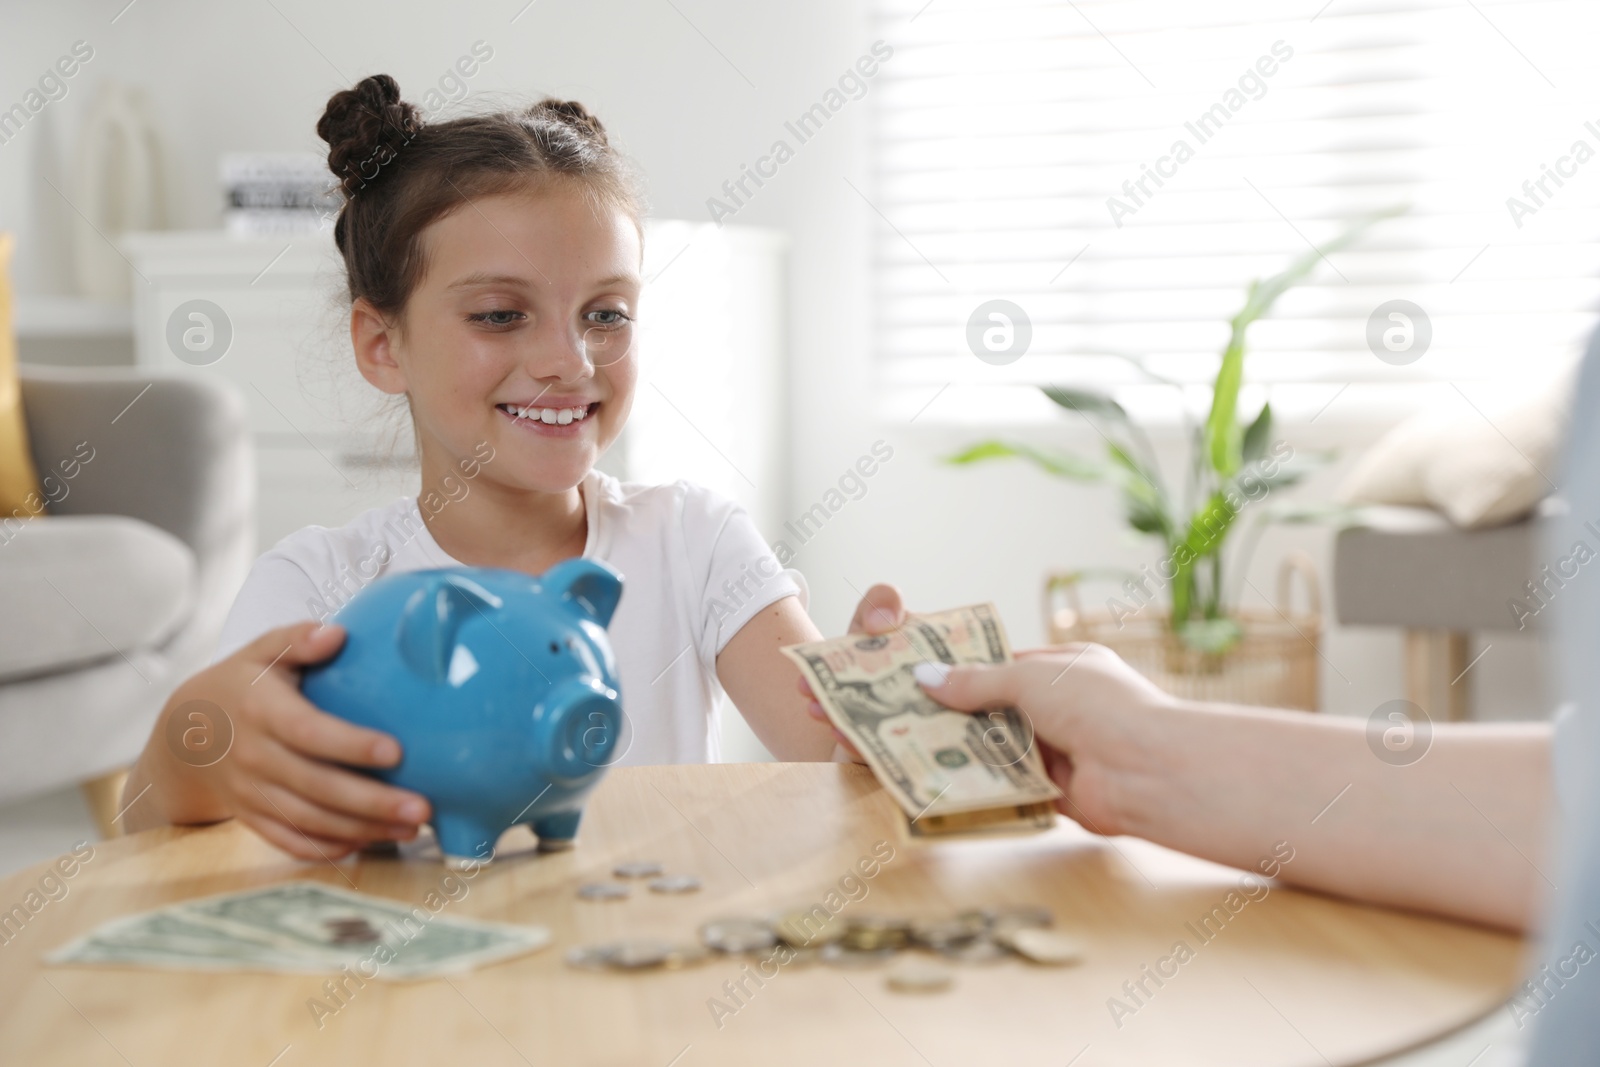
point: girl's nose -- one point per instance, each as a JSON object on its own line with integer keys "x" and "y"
{"x": 561, "y": 353}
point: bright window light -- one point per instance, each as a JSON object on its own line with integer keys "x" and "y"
{"x": 1121, "y": 169}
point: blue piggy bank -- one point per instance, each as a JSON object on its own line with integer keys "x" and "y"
{"x": 499, "y": 686}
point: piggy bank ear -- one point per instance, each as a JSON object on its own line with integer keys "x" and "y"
{"x": 433, "y": 615}
{"x": 590, "y": 585}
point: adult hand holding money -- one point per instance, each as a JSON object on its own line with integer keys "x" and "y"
{"x": 947, "y": 771}
{"x": 1097, "y": 723}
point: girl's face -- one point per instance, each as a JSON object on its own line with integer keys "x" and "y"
{"x": 520, "y": 335}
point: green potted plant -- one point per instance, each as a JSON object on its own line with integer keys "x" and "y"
{"x": 1232, "y": 465}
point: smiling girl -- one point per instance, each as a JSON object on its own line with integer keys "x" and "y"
{"x": 493, "y": 266}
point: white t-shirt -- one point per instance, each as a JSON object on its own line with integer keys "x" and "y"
{"x": 694, "y": 568}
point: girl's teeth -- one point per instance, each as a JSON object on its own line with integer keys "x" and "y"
{"x": 550, "y": 416}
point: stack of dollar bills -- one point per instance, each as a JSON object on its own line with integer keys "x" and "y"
{"x": 304, "y": 927}
{"x": 952, "y": 773}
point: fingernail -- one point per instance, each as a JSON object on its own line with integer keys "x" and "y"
{"x": 880, "y": 619}
{"x": 385, "y": 750}
{"x": 412, "y": 811}
{"x": 931, "y": 675}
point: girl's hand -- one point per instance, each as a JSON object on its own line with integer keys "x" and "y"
{"x": 279, "y": 775}
{"x": 880, "y": 611}
{"x": 1091, "y": 715}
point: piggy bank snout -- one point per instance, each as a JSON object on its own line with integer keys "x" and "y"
{"x": 576, "y": 729}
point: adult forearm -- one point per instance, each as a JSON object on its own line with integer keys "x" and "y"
{"x": 1459, "y": 831}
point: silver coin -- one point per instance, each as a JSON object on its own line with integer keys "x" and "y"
{"x": 603, "y": 891}
{"x": 837, "y": 955}
{"x": 675, "y": 883}
{"x": 1046, "y": 946}
{"x": 639, "y": 954}
{"x": 641, "y": 869}
{"x": 978, "y": 950}
{"x": 919, "y": 976}
{"x": 804, "y": 929}
{"x": 591, "y": 957}
{"x": 942, "y": 933}
{"x": 738, "y": 935}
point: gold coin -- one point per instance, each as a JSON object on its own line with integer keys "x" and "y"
{"x": 869, "y": 933}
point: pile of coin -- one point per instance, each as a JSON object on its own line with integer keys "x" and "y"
{"x": 660, "y": 882}
{"x": 977, "y": 935}
{"x": 974, "y": 936}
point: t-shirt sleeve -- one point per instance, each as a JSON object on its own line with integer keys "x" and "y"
{"x": 276, "y": 592}
{"x": 736, "y": 572}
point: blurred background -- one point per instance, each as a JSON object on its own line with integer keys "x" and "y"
{"x": 937, "y": 158}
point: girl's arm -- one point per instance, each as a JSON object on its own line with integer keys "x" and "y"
{"x": 279, "y": 769}
{"x": 763, "y": 683}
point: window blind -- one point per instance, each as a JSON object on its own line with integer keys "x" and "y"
{"x": 1121, "y": 169}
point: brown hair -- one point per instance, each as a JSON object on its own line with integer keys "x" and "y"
{"x": 399, "y": 174}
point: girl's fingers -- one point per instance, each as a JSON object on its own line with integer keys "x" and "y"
{"x": 275, "y": 802}
{"x": 300, "y": 725}
{"x": 289, "y": 840}
{"x": 341, "y": 791}
{"x": 299, "y": 645}
{"x": 880, "y": 611}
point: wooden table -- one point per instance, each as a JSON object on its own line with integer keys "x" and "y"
{"x": 1292, "y": 978}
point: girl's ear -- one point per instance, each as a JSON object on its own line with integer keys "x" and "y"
{"x": 375, "y": 339}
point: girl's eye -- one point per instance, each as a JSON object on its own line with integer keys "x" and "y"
{"x": 495, "y": 318}
{"x": 608, "y": 317}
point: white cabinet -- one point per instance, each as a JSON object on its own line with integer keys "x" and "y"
{"x": 709, "y": 406}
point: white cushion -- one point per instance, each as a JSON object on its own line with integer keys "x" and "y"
{"x": 83, "y": 589}
{"x": 1481, "y": 465}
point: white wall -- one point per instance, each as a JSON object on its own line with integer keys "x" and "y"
{"x": 242, "y": 77}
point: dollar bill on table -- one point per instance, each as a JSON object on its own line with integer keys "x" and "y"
{"x": 952, "y": 773}
{"x": 303, "y": 927}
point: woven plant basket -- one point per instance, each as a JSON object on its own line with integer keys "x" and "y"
{"x": 1274, "y": 664}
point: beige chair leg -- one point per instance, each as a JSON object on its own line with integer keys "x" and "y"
{"x": 104, "y": 797}
{"x": 1434, "y": 662}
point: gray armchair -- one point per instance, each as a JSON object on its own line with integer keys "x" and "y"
{"x": 120, "y": 593}
{"x": 1411, "y": 568}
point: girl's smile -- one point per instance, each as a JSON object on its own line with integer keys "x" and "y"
{"x": 552, "y": 416}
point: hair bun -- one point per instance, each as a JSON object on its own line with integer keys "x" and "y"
{"x": 573, "y": 114}
{"x": 365, "y": 128}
